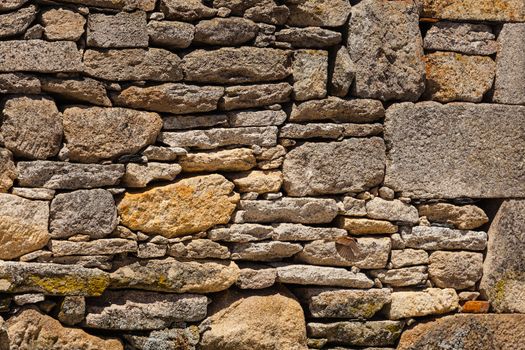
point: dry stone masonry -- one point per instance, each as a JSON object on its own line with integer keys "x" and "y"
{"x": 262, "y": 174}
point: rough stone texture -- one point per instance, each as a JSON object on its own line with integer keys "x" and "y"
{"x": 322, "y": 276}
{"x": 31, "y": 329}
{"x": 93, "y": 134}
{"x": 485, "y": 332}
{"x": 478, "y": 171}
{"x": 370, "y": 333}
{"x": 256, "y": 277}
{"x": 241, "y": 233}
{"x": 404, "y": 277}
{"x": 199, "y": 249}
{"x": 465, "y": 217}
{"x": 8, "y": 5}
{"x": 185, "y": 122}
{"x": 358, "y": 226}
{"x": 456, "y": 77}
{"x": 503, "y": 279}
{"x": 15, "y": 83}
{"x": 237, "y": 97}
{"x": 432, "y": 301}
{"x": 140, "y": 175}
{"x": 109, "y": 246}
{"x": 239, "y": 159}
{"x": 171, "y": 34}
{"x": 133, "y": 64}
{"x": 298, "y": 232}
{"x": 62, "y": 24}
{"x": 436, "y": 238}
{"x": 256, "y": 118}
{"x": 408, "y": 257}
{"x": 58, "y": 175}
{"x": 258, "y": 181}
{"x": 15, "y": 23}
{"x": 338, "y": 110}
{"x": 236, "y": 65}
{"x": 122, "y": 30}
{"x": 83, "y": 90}
{"x": 89, "y": 212}
{"x": 72, "y": 310}
{"x": 351, "y": 206}
{"x": 327, "y": 168}
{"x": 509, "y": 87}
{"x": 17, "y": 56}
{"x": 458, "y": 270}
{"x": 268, "y": 12}
{"x": 126, "y": 5}
{"x": 31, "y": 127}
{"x": 7, "y": 170}
{"x": 343, "y": 74}
{"x": 318, "y": 13}
{"x": 225, "y": 31}
{"x": 172, "y": 98}
{"x": 310, "y": 74}
{"x": 186, "y": 10}
{"x": 312, "y": 37}
{"x": 166, "y": 339}
{"x": 264, "y": 251}
{"x": 477, "y": 10}
{"x": 188, "y": 206}
{"x": 23, "y": 226}
{"x": 467, "y": 38}
{"x": 386, "y": 49}
{"x": 393, "y": 210}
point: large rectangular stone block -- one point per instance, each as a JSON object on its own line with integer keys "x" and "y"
{"x": 476, "y": 10}
{"x": 455, "y": 150}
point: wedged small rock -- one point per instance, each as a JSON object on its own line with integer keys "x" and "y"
{"x": 109, "y": 246}
{"x": 264, "y": 251}
{"x": 165, "y": 154}
{"x": 62, "y": 175}
{"x": 432, "y": 301}
{"x": 23, "y": 226}
{"x": 83, "y": 90}
{"x": 408, "y": 257}
{"x": 466, "y": 217}
{"x": 369, "y": 333}
{"x": 31, "y": 329}
{"x": 89, "y": 212}
{"x": 256, "y": 118}
{"x": 137, "y": 310}
{"x": 442, "y": 238}
{"x": 310, "y": 38}
{"x": 338, "y": 110}
{"x": 467, "y": 38}
{"x": 17, "y": 83}
{"x": 187, "y": 206}
{"x": 54, "y": 57}
{"x": 403, "y": 277}
{"x": 170, "y": 275}
{"x": 343, "y": 303}
{"x": 239, "y": 159}
{"x": 386, "y": 48}
{"x": 229, "y": 31}
{"x": 171, "y": 34}
{"x": 241, "y": 233}
{"x": 220, "y": 137}
{"x": 259, "y": 181}
{"x": 122, "y": 30}
{"x": 458, "y": 270}
{"x": 294, "y": 210}
{"x": 31, "y": 127}
{"x": 351, "y": 206}
{"x": 133, "y": 64}
{"x": 199, "y": 249}
{"x": 7, "y": 170}
{"x": 351, "y": 165}
{"x": 322, "y": 276}
{"x": 270, "y": 157}
{"x": 16, "y": 23}
{"x": 393, "y": 210}
{"x": 251, "y": 96}
{"x": 475, "y": 10}
{"x": 372, "y": 253}
{"x": 62, "y": 24}
{"x": 186, "y": 10}
{"x": 151, "y": 250}
{"x": 72, "y": 310}
{"x": 310, "y": 74}
{"x": 315, "y": 13}
{"x": 343, "y": 74}
{"x": 456, "y": 77}
{"x": 140, "y": 175}
{"x": 359, "y": 226}
{"x": 171, "y": 98}
{"x": 256, "y": 277}
{"x": 237, "y": 65}
{"x": 298, "y": 232}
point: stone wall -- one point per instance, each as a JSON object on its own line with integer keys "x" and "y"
{"x": 262, "y": 174}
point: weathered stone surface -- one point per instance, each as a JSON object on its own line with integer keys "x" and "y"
{"x": 503, "y": 279}
{"x": 338, "y": 110}
{"x": 370, "y": 333}
{"x": 61, "y": 175}
{"x": 298, "y": 232}
{"x": 137, "y": 310}
{"x": 358, "y": 226}
{"x": 441, "y": 238}
{"x": 51, "y": 279}
{"x": 170, "y": 275}
{"x": 264, "y": 322}
{"x": 310, "y": 74}
{"x": 351, "y": 206}
{"x": 34, "y": 193}
{"x": 466, "y": 217}
{"x": 16, "y": 83}
{"x": 93, "y": 134}
{"x": 117, "y": 31}
{"x": 172, "y": 98}
{"x": 89, "y": 212}
{"x": 239, "y": 97}
{"x": 477, "y": 10}
{"x": 404, "y": 277}
{"x": 317, "y": 168}
{"x": 151, "y": 250}
{"x": 393, "y": 210}
{"x": 312, "y": 130}
{"x": 408, "y": 257}
{"x": 15, "y": 23}
{"x": 467, "y": 38}
{"x": 165, "y": 154}
{"x": 456, "y": 77}
{"x": 318, "y": 13}
{"x": 8, "y": 5}
{"x": 343, "y": 74}
{"x": 458, "y": 270}
{"x": 256, "y": 277}
{"x": 126, "y": 5}
{"x": 214, "y": 138}
{"x": 259, "y": 181}
{"x": 311, "y": 37}
{"x": 485, "y": 332}
{"x": 186, "y": 10}
{"x": 199, "y": 249}
{"x": 264, "y": 251}
{"x": 509, "y": 87}
{"x": 294, "y": 210}
{"x": 271, "y": 157}
{"x": 241, "y": 233}
{"x": 103, "y": 262}
{"x": 372, "y": 253}
{"x": 84, "y": 90}
{"x": 23, "y": 226}
{"x": 268, "y": 12}
{"x": 239, "y": 159}
{"x": 166, "y": 339}
{"x": 7, "y": 170}
{"x": 386, "y": 48}
{"x": 31, "y": 127}
{"x": 110, "y": 246}
{"x": 185, "y": 122}
{"x": 432, "y": 301}
{"x": 322, "y": 276}
{"x": 32, "y": 330}
{"x": 188, "y": 206}
{"x": 18, "y": 55}
{"x": 140, "y": 175}
{"x": 133, "y": 64}
{"x": 256, "y": 118}
{"x": 171, "y": 34}
{"x": 343, "y": 303}
{"x": 230, "y": 31}
{"x": 72, "y": 310}
{"x": 62, "y": 24}
{"x": 237, "y": 65}
{"x": 415, "y": 165}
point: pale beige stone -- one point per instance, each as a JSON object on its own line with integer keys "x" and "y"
{"x": 465, "y": 217}
{"x": 358, "y": 226}
{"x": 432, "y": 301}
{"x": 7, "y": 170}
{"x": 259, "y": 181}
{"x": 239, "y": 159}
{"x": 458, "y": 270}
{"x": 476, "y": 10}
{"x": 310, "y": 74}
{"x": 62, "y": 24}
{"x": 140, "y": 175}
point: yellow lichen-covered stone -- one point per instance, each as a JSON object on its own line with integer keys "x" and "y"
{"x": 71, "y": 285}
{"x": 188, "y": 206}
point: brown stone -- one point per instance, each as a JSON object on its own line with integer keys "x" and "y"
{"x": 358, "y": 226}
{"x": 476, "y": 307}
{"x": 62, "y": 24}
{"x": 7, "y": 170}
{"x": 318, "y": 13}
{"x": 465, "y": 217}
{"x": 338, "y": 110}
{"x": 84, "y": 90}
{"x": 476, "y": 10}
{"x": 229, "y": 31}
